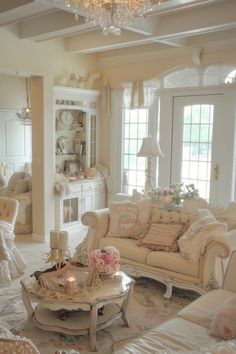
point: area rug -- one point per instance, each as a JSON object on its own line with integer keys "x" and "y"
{"x": 147, "y": 309}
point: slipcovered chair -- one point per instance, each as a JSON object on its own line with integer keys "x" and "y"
{"x": 12, "y": 263}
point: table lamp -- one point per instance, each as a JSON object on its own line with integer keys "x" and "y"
{"x": 150, "y": 148}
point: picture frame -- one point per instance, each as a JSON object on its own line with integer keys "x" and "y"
{"x": 71, "y": 167}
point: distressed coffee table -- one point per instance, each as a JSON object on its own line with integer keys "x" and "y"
{"x": 111, "y": 297}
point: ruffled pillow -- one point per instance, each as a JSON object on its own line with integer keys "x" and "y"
{"x": 128, "y": 219}
{"x": 195, "y": 238}
{"x": 223, "y": 324}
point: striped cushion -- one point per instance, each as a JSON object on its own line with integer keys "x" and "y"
{"x": 162, "y": 237}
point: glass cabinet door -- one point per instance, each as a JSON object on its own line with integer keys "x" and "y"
{"x": 70, "y": 210}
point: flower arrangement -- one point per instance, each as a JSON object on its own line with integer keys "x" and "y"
{"x": 105, "y": 261}
{"x": 175, "y": 193}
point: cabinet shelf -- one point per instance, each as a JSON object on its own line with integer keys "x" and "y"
{"x": 58, "y": 155}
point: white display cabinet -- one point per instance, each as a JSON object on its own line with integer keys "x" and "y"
{"x": 77, "y": 148}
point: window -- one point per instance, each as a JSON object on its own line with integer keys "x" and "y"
{"x": 137, "y": 123}
{"x": 188, "y": 77}
{"x": 135, "y": 128}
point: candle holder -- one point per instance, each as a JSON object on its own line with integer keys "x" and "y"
{"x": 59, "y": 248}
{"x": 57, "y": 257}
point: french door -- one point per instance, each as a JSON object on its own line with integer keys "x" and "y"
{"x": 15, "y": 143}
{"x": 202, "y": 146}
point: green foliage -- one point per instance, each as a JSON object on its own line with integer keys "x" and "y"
{"x": 180, "y": 192}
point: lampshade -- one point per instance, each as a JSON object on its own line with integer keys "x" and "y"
{"x": 150, "y": 147}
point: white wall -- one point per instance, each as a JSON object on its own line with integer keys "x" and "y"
{"x": 45, "y": 62}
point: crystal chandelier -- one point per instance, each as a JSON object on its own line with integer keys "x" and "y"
{"x": 25, "y": 116}
{"x": 111, "y": 15}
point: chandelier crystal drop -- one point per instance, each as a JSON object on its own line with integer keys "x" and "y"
{"x": 25, "y": 117}
{"x": 111, "y": 15}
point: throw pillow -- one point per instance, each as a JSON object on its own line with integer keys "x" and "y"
{"x": 193, "y": 241}
{"x": 21, "y": 186}
{"x": 161, "y": 237}
{"x": 223, "y": 324}
{"x": 13, "y": 179}
{"x": 128, "y": 219}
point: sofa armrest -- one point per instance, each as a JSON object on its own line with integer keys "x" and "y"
{"x": 98, "y": 223}
{"x": 216, "y": 248}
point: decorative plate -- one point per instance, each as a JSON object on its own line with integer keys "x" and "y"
{"x": 67, "y": 117}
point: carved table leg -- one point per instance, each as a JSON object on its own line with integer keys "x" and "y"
{"x": 125, "y": 305}
{"x": 168, "y": 292}
{"x": 92, "y": 329}
{"x": 27, "y": 303}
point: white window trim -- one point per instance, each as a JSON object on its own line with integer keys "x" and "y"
{"x": 116, "y": 138}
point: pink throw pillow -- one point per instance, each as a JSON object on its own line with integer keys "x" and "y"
{"x": 223, "y": 324}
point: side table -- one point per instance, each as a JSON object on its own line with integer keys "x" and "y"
{"x": 111, "y": 296}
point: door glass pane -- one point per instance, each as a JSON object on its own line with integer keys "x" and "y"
{"x": 70, "y": 210}
{"x": 74, "y": 209}
{"x": 197, "y": 147}
{"x": 66, "y": 211}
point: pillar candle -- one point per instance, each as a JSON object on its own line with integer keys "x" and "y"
{"x": 71, "y": 285}
{"x": 63, "y": 240}
{"x": 54, "y": 238}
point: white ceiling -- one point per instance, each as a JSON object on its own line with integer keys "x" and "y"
{"x": 173, "y": 23}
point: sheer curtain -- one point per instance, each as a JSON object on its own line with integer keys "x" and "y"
{"x": 134, "y": 95}
{"x": 139, "y": 94}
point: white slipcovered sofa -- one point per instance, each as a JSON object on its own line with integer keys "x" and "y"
{"x": 202, "y": 327}
{"x": 170, "y": 268}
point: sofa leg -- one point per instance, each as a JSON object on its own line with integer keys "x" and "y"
{"x": 168, "y": 292}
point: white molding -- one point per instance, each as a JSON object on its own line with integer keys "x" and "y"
{"x": 72, "y": 92}
{"x": 116, "y": 140}
{"x": 140, "y": 55}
